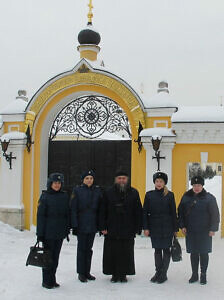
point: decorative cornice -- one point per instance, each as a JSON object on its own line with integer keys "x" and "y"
{"x": 90, "y": 78}
{"x": 199, "y": 133}
{"x": 161, "y": 111}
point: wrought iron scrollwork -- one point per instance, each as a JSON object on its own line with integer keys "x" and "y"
{"x": 90, "y": 117}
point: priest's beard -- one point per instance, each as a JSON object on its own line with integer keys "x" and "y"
{"x": 122, "y": 188}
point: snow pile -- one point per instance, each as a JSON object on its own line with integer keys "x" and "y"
{"x": 17, "y": 106}
{"x": 7, "y": 229}
{"x": 162, "y": 99}
{"x": 157, "y": 131}
{"x": 13, "y": 135}
{"x": 198, "y": 114}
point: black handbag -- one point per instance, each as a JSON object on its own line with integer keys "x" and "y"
{"x": 176, "y": 252}
{"x": 39, "y": 257}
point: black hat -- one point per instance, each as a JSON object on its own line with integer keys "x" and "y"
{"x": 88, "y": 173}
{"x": 53, "y": 177}
{"x": 197, "y": 180}
{"x": 121, "y": 173}
{"x": 160, "y": 175}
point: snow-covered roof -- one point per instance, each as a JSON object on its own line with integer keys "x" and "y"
{"x": 13, "y": 135}
{"x": 199, "y": 114}
{"x": 1, "y": 122}
{"x": 161, "y": 99}
{"x": 157, "y": 131}
{"x": 17, "y": 106}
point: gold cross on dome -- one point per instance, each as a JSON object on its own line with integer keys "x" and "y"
{"x": 90, "y": 14}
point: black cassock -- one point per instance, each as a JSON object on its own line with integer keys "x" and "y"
{"x": 121, "y": 216}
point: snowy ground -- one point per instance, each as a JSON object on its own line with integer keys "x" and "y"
{"x": 22, "y": 283}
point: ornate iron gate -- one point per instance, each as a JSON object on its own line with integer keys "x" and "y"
{"x": 90, "y": 117}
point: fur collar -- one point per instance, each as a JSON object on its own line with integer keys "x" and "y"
{"x": 190, "y": 193}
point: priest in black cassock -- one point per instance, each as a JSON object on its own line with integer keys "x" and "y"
{"x": 120, "y": 220}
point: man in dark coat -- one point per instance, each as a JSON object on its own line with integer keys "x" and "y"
{"x": 120, "y": 220}
{"x": 198, "y": 219}
{"x": 53, "y": 224}
{"x": 160, "y": 223}
{"x": 85, "y": 202}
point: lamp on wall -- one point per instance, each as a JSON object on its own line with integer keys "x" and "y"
{"x": 9, "y": 156}
{"x": 156, "y": 140}
{"x": 28, "y": 139}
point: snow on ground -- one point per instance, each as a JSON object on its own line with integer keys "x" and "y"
{"x": 18, "y": 282}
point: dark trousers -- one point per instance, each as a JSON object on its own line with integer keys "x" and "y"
{"x": 203, "y": 258}
{"x": 48, "y": 275}
{"x": 162, "y": 259}
{"x": 84, "y": 252}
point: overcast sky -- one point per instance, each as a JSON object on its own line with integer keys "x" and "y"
{"x": 145, "y": 41}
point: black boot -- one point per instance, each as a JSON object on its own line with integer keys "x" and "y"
{"x": 155, "y": 277}
{"x": 203, "y": 279}
{"x": 194, "y": 278}
{"x": 90, "y": 277}
{"x": 114, "y": 279}
{"x": 162, "y": 277}
{"x": 123, "y": 278}
{"x": 56, "y": 285}
{"x": 82, "y": 278}
{"x": 46, "y": 286}
{"x": 194, "y": 267}
{"x": 158, "y": 265}
{"x": 165, "y": 265}
{"x": 204, "y": 266}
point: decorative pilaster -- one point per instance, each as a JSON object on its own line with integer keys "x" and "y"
{"x": 11, "y": 186}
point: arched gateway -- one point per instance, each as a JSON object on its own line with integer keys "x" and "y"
{"x": 82, "y": 82}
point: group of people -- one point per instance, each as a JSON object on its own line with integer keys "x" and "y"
{"x": 118, "y": 215}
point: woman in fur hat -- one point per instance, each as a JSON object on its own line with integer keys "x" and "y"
{"x": 198, "y": 219}
{"x": 53, "y": 224}
{"x": 160, "y": 223}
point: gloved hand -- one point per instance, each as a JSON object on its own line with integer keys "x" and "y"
{"x": 40, "y": 239}
{"x": 74, "y": 231}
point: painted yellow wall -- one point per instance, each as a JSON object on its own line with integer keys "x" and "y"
{"x": 88, "y": 54}
{"x": 186, "y": 153}
{"x": 27, "y": 175}
{"x": 13, "y": 124}
{"x": 150, "y": 121}
{"x": 138, "y": 160}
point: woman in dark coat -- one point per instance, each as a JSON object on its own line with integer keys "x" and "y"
{"x": 160, "y": 223}
{"x": 198, "y": 219}
{"x": 85, "y": 203}
{"x": 53, "y": 224}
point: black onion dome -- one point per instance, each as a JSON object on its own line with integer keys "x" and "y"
{"x": 89, "y": 36}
